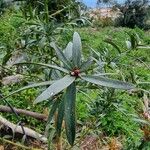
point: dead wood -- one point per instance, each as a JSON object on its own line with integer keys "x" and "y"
{"x": 18, "y": 129}
{"x": 24, "y": 112}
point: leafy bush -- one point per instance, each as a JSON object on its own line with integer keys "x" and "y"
{"x": 62, "y": 9}
{"x": 23, "y": 101}
{"x": 115, "y": 113}
{"x": 134, "y": 13}
{"x": 9, "y": 28}
{"x": 103, "y": 22}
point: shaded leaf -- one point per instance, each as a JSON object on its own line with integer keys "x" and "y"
{"x": 29, "y": 87}
{"x": 51, "y": 113}
{"x": 60, "y": 116}
{"x": 133, "y": 40}
{"x": 69, "y": 117}
{"x": 44, "y": 65}
{"x": 55, "y": 88}
{"x": 53, "y": 110}
{"x": 55, "y": 74}
{"x": 85, "y": 65}
{"x": 61, "y": 56}
{"x": 113, "y": 44}
{"x": 76, "y": 50}
{"x": 108, "y": 82}
{"x": 6, "y": 58}
{"x": 95, "y": 54}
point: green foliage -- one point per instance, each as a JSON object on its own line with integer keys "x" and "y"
{"x": 3, "y": 5}
{"x": 75, "y": 72}
{"x": 115, "y": 115}
{"x": 44, "y": 9}
{"x": 9, "y": 29}
{"x": 134, "y": 13}
{"x": 23, "y": 101}
{"x": 106, "y": 55}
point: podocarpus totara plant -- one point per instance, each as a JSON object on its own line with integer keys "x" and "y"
{"x": 63, "y": 91}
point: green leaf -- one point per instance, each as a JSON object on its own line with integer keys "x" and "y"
{"x": 51, "y": 114}
{"x": 128, "y": 44}
{"x": 143, "y": 47}
{"x": 76, "y": 50}
{"x": 61, "y": 56}
{"x": 60, "y": 116}
{"x": 138, "y": 120}
{"x": 113, "y": 44}
{"x": 44, "y": 65}
{"x": 29, "y": 87}
{"x": 108, "y": 82}
{"x": 6, "y": 58}
{"x": 53, "y": 110}
{"x": 85, "y": 65}
{"x": 68, "y": 51}
{"x": 55, "y": 88}
{"x": 70, "y": 121}
{"x": 133, "y": 40}
{"x": 95, "y": 54}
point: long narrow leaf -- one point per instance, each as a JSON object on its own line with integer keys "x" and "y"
{"x": 29, "y": 87}
{"x": 53, "y": 110}
{"x": 55, "y": 88}
{"x": 60, "y": 117}
{"x": 108, "y": 82}
{"x": 85, "y": 66}
{"x": 68, "y": 51}
{"x": 76, "y": 50}
{"x": 61, "y": 56}
{"x": 44, "y": 65}
{"x": 113, "y": 44}
{"x": 51, "y": 114}
{"x": 69, "y": 117}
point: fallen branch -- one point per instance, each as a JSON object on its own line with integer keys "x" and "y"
{"x": 15, "y": 144}
{"x": 18, "y": 129}
{"x": 24, "y": 112}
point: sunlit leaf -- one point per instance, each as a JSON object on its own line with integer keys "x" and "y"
{"x": 55, "y": 88}
{"x": 128, "y": 43}
{"x": 68, "y": 51}
{"x": 138, "y": 120}
{"x": 69, "y": 117}
{"x": 108, "y": 82}
{"x": 76, "y": 50}
{"x": 143, "y": 47}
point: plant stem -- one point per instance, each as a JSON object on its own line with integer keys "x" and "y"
{"x": 58, "y": 143}
{"x": 46, "y": 11}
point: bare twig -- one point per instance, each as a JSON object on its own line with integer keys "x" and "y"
{"x": 15, "y": 144}
{"x": 24, "y": 112}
